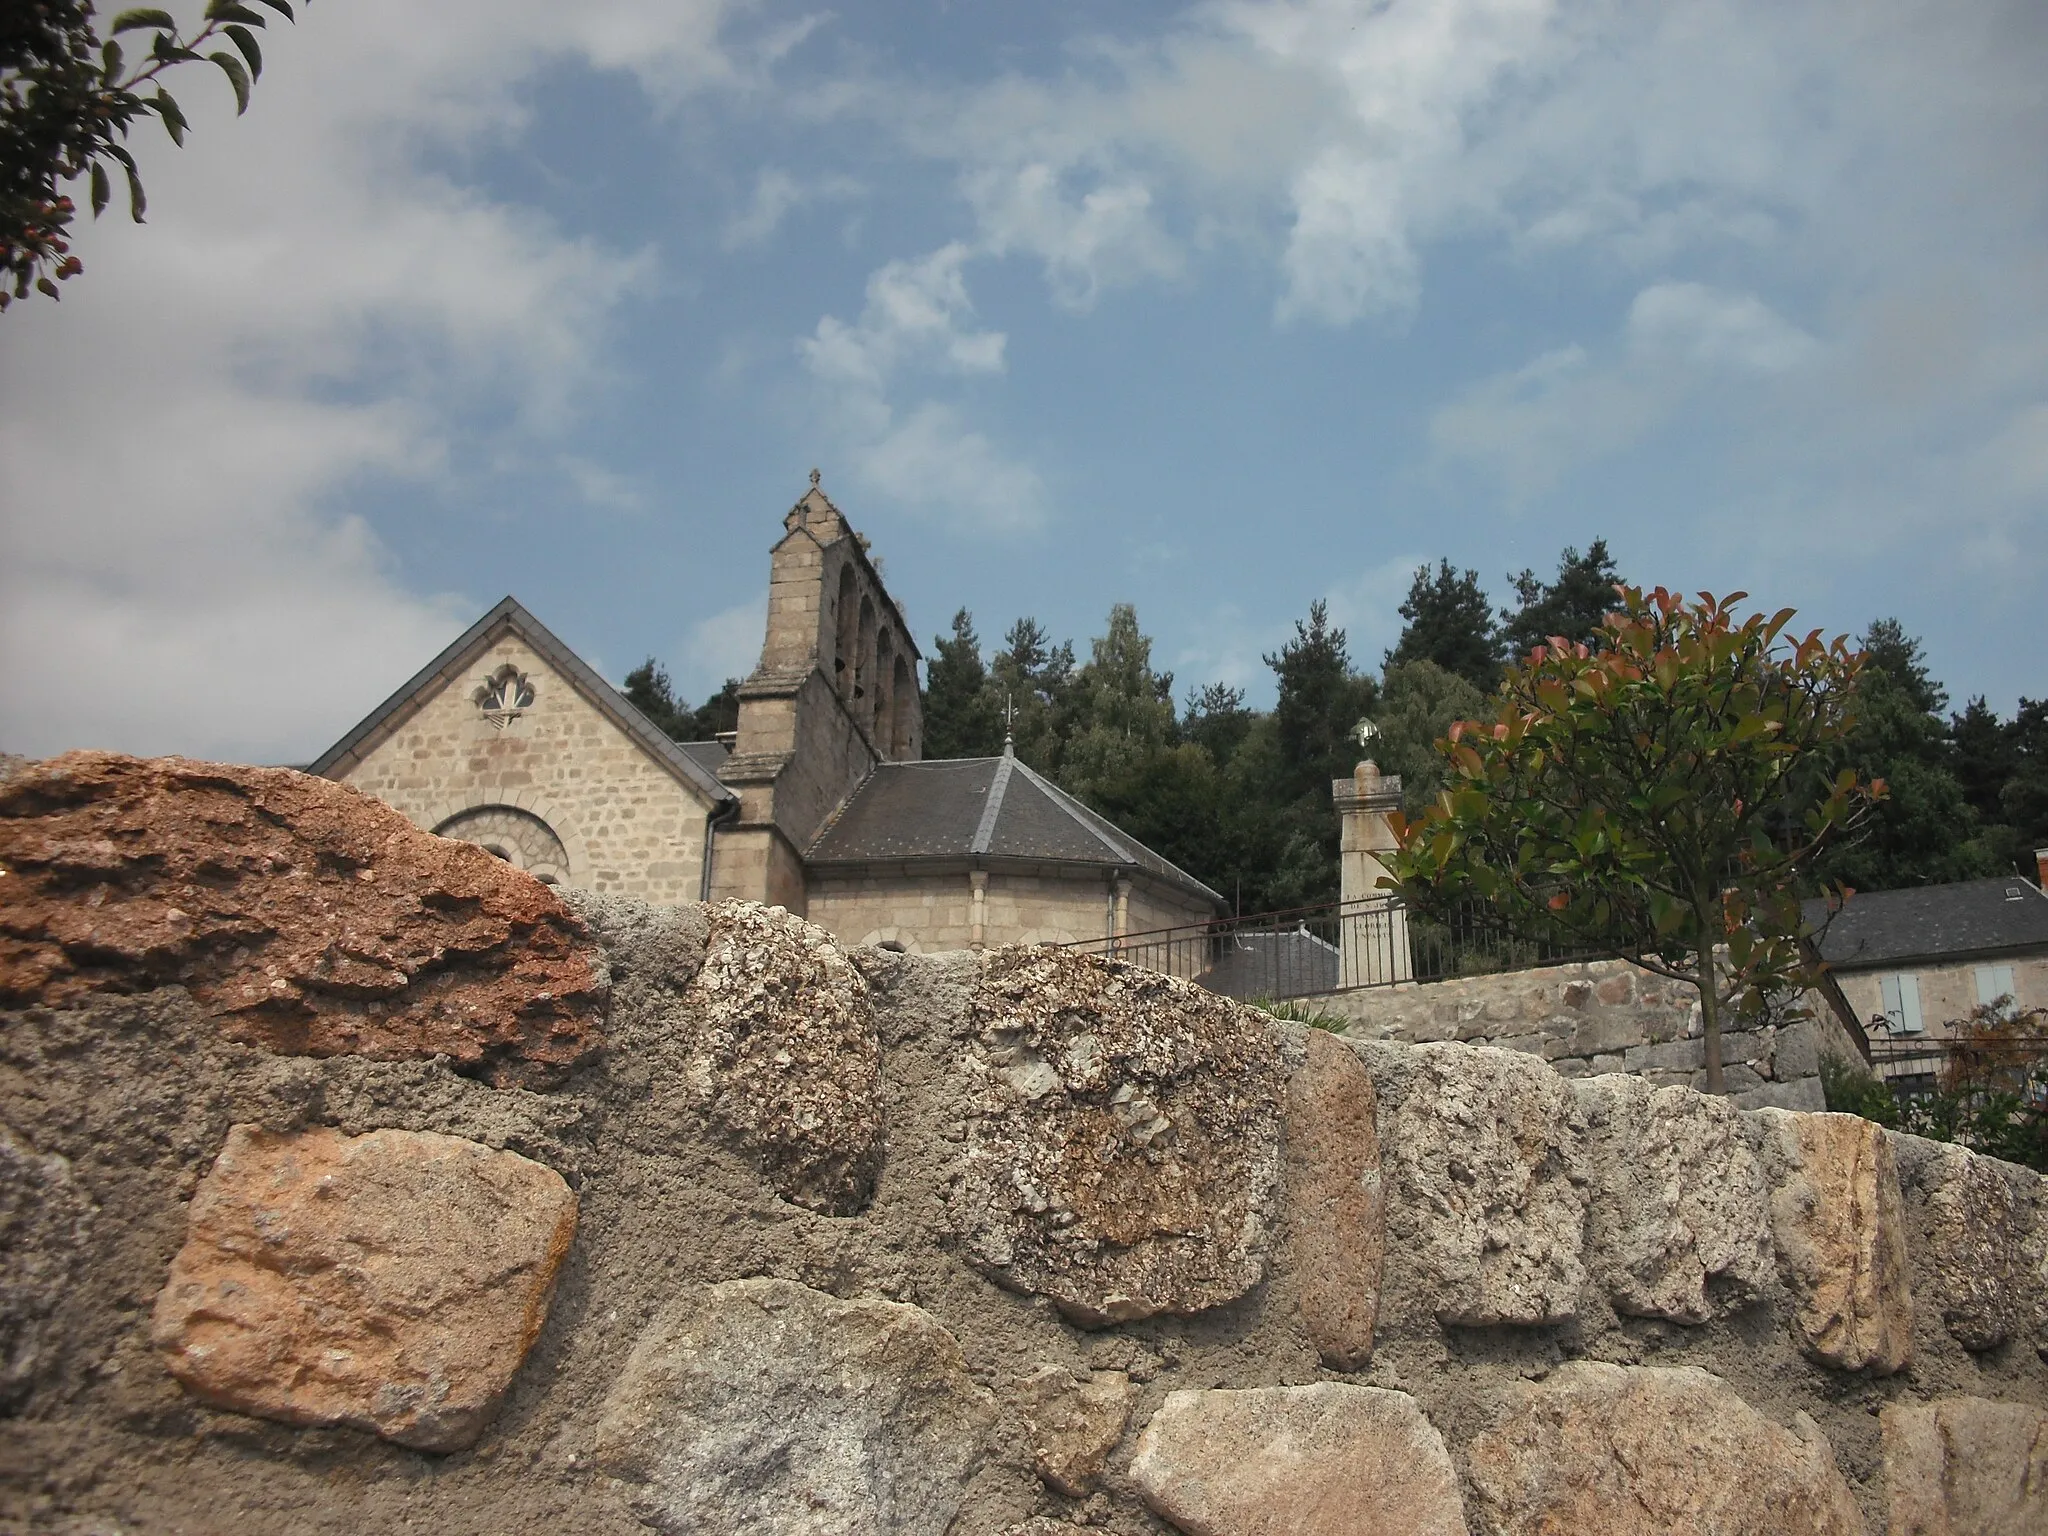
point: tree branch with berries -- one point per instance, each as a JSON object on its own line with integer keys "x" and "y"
{"x": 68, "y": 98}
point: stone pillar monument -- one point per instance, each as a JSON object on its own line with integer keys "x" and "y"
{"x": 1373, "y": 931}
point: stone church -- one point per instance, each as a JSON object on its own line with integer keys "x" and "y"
{"x": 822, "y": 803}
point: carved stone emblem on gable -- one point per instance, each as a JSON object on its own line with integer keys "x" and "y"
{"x": 505, "y": 695}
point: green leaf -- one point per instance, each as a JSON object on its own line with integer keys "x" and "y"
{"x": 238, "y": 77}
{"x": 136, "y": 201}
{"x": 101, "y": 192}
{"x": 282, "y": 7}
{"x": 230, "y": 10}
{"x": 245, "y": 40}
{"x": 172, "y": 114}
{"x": 135, "y": 21}
{"x": 110, "y": 62}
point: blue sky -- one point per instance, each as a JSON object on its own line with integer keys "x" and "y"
{"x": 1218, "y": 309}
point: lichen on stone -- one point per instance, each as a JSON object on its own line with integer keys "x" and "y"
{"x": 1123, "y": 1146}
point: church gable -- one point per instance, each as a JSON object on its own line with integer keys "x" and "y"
{"x": 502, "y": 743}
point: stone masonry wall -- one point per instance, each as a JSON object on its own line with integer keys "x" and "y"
{"x": 627, "y": 825}
{"x": 930, "y": 914}
{"x": 810, "y": 1239}
{"x": 1595, "y": 1017}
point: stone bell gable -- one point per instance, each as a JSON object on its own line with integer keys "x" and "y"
{"x": 509, "y": 740}
{"x": 834, "y": 696}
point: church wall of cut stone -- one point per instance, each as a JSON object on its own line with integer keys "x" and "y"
{"x": 510, "y": 741}
{"x": 624, "y": 823}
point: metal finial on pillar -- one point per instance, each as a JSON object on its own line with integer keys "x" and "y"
{"x": 1009, "y": 720}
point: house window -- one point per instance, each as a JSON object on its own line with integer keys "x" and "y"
{"x": 1902, "y": 1003}
{"x": 1993, "y": 982}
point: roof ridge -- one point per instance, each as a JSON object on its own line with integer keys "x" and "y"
{"x": 510, "y": 613}
{"x": 1086, "y": 819}
{"x": 1096, "y": 823}
{"x": 985, "y": 829}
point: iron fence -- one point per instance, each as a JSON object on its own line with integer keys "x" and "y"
{"x": 1377, "y": 942}
{"x": 1924, "y": 1067}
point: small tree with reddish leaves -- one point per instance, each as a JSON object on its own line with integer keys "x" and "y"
{"x": 1656, "y": 797}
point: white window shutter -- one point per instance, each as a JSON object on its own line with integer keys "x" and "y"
{"x": 1993, "y": 982}
{"x": 1888, "y": 986}
{"x": 1909, "y": 1005}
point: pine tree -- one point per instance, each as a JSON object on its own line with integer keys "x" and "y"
{"x": 1121, "y": 714}
{"x": 1925, "y": 831}
{"x": 960, "y": 717}
{"x": 1571, "y": 606}
{"x": 1451, "y": 623}
{"x": 648, "y": 690}
{"x": 717, "y": 715}
{"x": 1030, "y": 680}
{"x": 1419, "y": 703}
{"x": 1321, "y": 703}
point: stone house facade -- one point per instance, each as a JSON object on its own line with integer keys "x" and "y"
{"x": 1912, "y": 963}
{"x": 821, "y": 802}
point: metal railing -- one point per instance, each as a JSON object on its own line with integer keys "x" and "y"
{"x": 1334, "y": 947}
{"x": 1922, "y": 1067}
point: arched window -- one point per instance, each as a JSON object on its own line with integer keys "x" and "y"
{"x": 902, "y": 710}
{"x": 864, "y": 661}
{"x": 885, "y": 680}
{"x": 518, "y": 837}
{"x": 846, "y": 618}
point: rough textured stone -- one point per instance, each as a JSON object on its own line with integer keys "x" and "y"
{"x": 1679, "y": 1224}
{"x": 783, "y": 1054}
{"x": 1326, "y": 1460}
{"x": 1074, "y": 1423}
{"x": 44, "y": 1219}
{"x": 1964, "y": 1466}
{"x": 1840, "y": 1229}
{"x": 762, "y": 1406}
{"x": 391, "y": 1282}
{"x": 1637, "y": 1451}
{"x": 1123, "y": 1147}
{"x": 1484, "y": 1185}
{"x": 306, "y": 917}
{"x": 1336, "y": 1207}
{"x": 1970, "y": 1264}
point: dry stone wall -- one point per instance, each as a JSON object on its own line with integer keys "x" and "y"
{"x": 831, "y": 1240}
{"x": 1597, "y": 1017}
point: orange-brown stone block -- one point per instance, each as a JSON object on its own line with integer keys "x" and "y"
{"x": 307, "y": 918}
{"x": 391, "y": 1282}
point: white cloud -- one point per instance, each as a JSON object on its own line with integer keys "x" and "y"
{"x": 777, "y": 194}
{"x": 1697, "y": 324}
{"x": 1106, "y": 235}
{"x": 309, "y": 307}
{"x": 931, "y": 461}
{"x": 917, "y": 314}
{"x": 726, "y": 644}
{"x": 1531, "y": 426}
{"x": 918, "y": 319}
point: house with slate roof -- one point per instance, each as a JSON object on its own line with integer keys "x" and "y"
{"x": 1911, "y": 962}
{"x": 821, "y": 802}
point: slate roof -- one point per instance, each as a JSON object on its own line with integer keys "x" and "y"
{"x": 981, "y": 809}
{"x": 689, "y": 761}
{"x": 1934, "y": 922}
